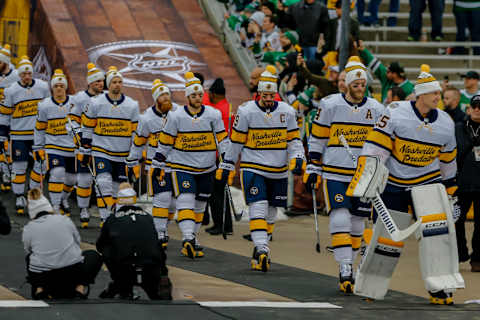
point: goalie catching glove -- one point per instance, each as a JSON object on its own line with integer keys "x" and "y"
{"x": 369, "y": 179}
{"x": 312, "y": 177}
{"x": 225, "y": 172}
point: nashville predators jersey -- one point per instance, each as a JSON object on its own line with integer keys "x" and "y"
{"x": 110, "y": 125}
{"x": 266, "y": 139}
{"x": 188, "y": 140}
{"x": 148, "y": 132}
{"x": 6, "y": 80}
{"x": 416, "y": 149}
{"x": 50, "y": 130}
{"x": 19, "y": 108}
{"x": 81, "y": 100}
{"x": 335, "y": 117}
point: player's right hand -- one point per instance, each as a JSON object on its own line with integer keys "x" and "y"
{"x": 225, "y": 172}
{"x": 38, "y": 155}
{"x": 312, "y": 177}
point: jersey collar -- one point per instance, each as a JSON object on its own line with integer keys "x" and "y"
{"x": 353, "y": 104}
{"x": 115, "y": 102}
{"x": 58, "y": 104}
{"x": 155, "y": 111}
{"x": 196, "y": 115}
{"x": 432, "y": 115}
{"x": 88, "y": 94}
{"x": 275, "y": 106}
{"x": 8, "y": 73}
{"x": 27, "y": 86}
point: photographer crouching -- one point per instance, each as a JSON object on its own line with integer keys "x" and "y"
{"x": 130, "y": 248}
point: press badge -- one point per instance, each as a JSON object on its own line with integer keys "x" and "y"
{"x": 476, "y": 152}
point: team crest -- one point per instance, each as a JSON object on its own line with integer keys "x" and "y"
{"x": 163, "y": 183}
{"x": 55, "y": 162}
{"x": 338, "y": 197}
{"x": 254, "y": 191}
{"x": 100, "y": 165}
{"x": 18, "y": 152}
{"x": 186, "y": 184}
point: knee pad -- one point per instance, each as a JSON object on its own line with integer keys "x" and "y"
{"x": 57, "y": 174}
{"x": 200, "y": 206}
{"x": 84, "y": 180}
{"x": 115, "y": 186}
{"x": 162, "y": 199}
{"x": 173, "y": 205}
{"x": 104, "y": 181}
{"x": 19, "y": 167}
{"x": 70, "y": 179}
{"x": 340, "y": 221}
{"x": 258, "y": 210}
{"x": 186, "y": 201}
{"x": 358, "y": 225}
{"x": 271, "y": 215}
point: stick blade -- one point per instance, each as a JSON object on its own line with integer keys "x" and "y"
{"x": 401, "y": 235}
{"x": 317, "y": 247}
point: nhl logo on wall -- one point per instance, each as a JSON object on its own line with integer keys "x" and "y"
{"x": 142, "y": 61}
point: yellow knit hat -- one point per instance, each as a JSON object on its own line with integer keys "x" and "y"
{"x": 159, "y": 88}
{"x": 192, "y": 84}
{"x": 25, "y": 65}
{"x": 268, "y": 80}
{"x": 5, "y": 54}
{"x": 112, "y": 73}
{"x": 58, "y": 77}
{"x": 93, "y": 73}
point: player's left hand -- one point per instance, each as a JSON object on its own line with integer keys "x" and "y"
{"x": 297, "y": 166}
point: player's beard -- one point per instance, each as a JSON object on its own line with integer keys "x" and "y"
{"x": 166, "y": 106}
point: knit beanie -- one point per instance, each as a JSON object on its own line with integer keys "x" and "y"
{"x": 426, "y": 83}
{"x": 94, "y": 74}
{"x": 292, "y": 36}
{"x": 258, "y": 17}
{"x": 112, "y": 73}
{"x": 355, "y": 71}
{"x": 58, "y": 77}
{"x": 192, "y": 84}
{"x": 126, "y": 195}
{"x": 306, "y": 96}
{"x": 159, "y": 88}
{"x": 37, "y": 203}
{"x": 25, "y": 65}
{"x": 268, "y": 80}
{"x": 5, "y": 54}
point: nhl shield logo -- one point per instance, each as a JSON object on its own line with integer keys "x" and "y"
{"x": 142, "y": 61}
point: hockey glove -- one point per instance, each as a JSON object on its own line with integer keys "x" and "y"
{"x": 225, "y": 172}
{"x": 312, "y": 177}
{"x": 159, "y": 165}
{"x": 297, "y": 166}
{"x": 39, "y": 155}
{"x": 84, "y": 156}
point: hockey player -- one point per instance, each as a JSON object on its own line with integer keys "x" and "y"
{"x": 18, "y": 112}
{"x": 148, "y": 131}
{"x": 53, "y": 143}
{"x": 8, "y": 76}
{"x": 353, "y": 116}
{"x": 82, "y": 100}
{"x": 266, "y": 135}
{"x": 189, "y": 142}
{"x": 416, "y": 142}
{"x": 108, "y": 127}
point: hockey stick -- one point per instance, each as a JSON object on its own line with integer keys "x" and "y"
{"x": 77, "y": 146}
{"x": 315, "y": 214}
{"x": 395, "y": 233}
{"x": 224, "y": 233}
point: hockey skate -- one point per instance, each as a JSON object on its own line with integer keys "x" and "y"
{"x": 260, "y": 260}
{"x": 65, "y": 208}
{"x": 188, "y": 249}
{"x": 198, "y": 250}
{"x": 441, "y": 297}
{"x": 163, "y": 242}
{"x": 84, "y": 218}
{"x": 20, "y": 204}
{"x": 346, "y": 278}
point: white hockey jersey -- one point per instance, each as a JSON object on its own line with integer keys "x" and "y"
{"x": 188, "y": 142}
{"x": 336, "y": 117}
{"x": 50, "y": 130}
{"x": 148, "y": 132}
{"x": 110, "y": 125}
{"x": 81, "y": 101}
{"x": 19, "y": 108}
{"x": 416, "y": 150}
{"x": 265, "y": 139}
{"x": 6, "y": 80}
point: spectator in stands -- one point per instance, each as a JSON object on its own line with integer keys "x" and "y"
{"x": 239, "y": 22}
{"x": 467, "y": 15}
{"x": 216, "y": 98}
{"x": 389, "y": 77}
{"x": 325, "y": 87}
{"x": 56, "y": 266}
{"x": 254, "y": 30}
{"x": 268, "y": 40}
{"x": 5, "y": 226}
{"x": 468, "y": 161}
{"x": 470, "y": 82}
{"x": 311, "y": 19}
{"x": 395, "y": 94}
{"x": 268, "y": 8}
{"x": 333, "y": 36}
{"x": 342, "y": 86}
{"x": 417, "y": 7}
{"x": 373, "y": 5}
{"x": 289, "y": 43}
{"x": 451, "y": 102}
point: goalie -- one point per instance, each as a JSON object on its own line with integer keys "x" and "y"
{"x": 416, "y": 143}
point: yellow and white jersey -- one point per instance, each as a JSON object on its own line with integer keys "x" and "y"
{"x": 148, "y": 132}
{"x": 19, "y": 108}
{"x": 50, "y": 130}
{"x": 266, "y": 139}
{"x": 335, "y": 117}
{"x": 81, "y": 101}
{"x": 6, "y": 80}
{"x": 188, "y": 142}
{"x": 110, "y": 125}
{"x": 416, "y": 150}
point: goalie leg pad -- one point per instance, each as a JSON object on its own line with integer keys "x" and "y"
{"x": 437, "y": 239}
{"x": 376, "y": 268}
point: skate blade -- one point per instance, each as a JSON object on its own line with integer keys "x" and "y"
{"x": 346, "y": 287}
{"x": 440, "y": 301}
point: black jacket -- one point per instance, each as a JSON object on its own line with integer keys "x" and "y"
{"x": 310, "y": 21}
{"x": 456, "y": 114}
{"x": 129, "y": 237}
{"x": 468, "y": 178}
{"x": 5, "y": 226}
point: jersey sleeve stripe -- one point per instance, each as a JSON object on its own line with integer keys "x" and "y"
{"x": 6, "y": 110}
{"x": 88, "y": 122}
{"x": 221, "y": 135}
{"x": 447, "y": 157}
{"x": 293, "y": 134}
{"x": 238, "y": 137}
{"x": 319, "y": 131}
{"x": 40, "y": 125}
{"x": 139, "y": 141}
{"x": 381, "y": 139}
{"x": 166, "y": 139}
